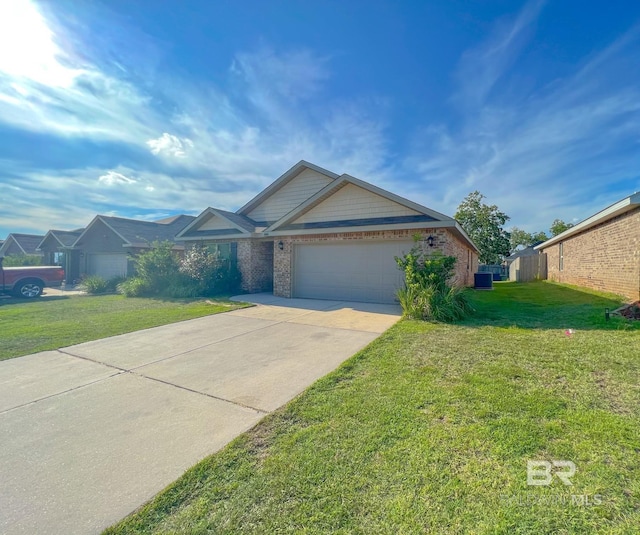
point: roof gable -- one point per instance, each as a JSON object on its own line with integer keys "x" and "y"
{"x": 214, "y": 222}
{"x": 352, "y": 202}
{"x": 136, "y": 232}
{"x": 25, "y": 243}
{"x": 59, "y": 238}
{"x": 295, "y": 186}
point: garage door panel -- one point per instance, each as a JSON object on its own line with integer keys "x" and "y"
{"x": 354, "y": 270}
{"x": 107, "y": 265}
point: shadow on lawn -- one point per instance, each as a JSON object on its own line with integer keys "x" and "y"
{"x": 8, "y": 300}
{"x": 545, "y": 305}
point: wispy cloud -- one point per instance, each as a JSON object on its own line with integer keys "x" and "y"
{"x": 205, "y": 145}
{"x": 562, "y": 151}
{"x": 170, "y": 145}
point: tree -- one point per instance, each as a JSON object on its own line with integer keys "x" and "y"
{"x": 559, "y": 226}
{"x": 484, "y": 224}
{"x": 519, "y": 237}
{"x": 539, "y": 237}
{"x": 523, "y": 238}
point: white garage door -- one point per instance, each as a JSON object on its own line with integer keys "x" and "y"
{"x": 107, "y": 265}
{"x": 349, "y": 271}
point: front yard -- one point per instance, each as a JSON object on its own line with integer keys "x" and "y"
{"x": 50, "y": 323}
{"x": 429, "y": 430}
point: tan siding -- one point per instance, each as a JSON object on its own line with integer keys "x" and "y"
{"x": 605, "y": 257}
{"x": 298, "y": 190}
{"x": 354, "y": 202}
{"x": 216, "y": 223}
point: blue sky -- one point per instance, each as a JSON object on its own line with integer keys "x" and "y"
{"x": 146, "y": 109}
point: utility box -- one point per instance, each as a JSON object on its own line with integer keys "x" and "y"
{"x": 483, "y": 281}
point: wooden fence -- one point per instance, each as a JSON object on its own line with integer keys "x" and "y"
{"x": 528, "y": 268}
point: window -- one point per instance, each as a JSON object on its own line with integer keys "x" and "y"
{"x": 227, "y": 251}
{"x": 58, "y": 259}
{"x": 561, "y": 256}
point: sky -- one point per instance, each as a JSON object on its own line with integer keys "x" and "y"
{"x": 147, "y": 109}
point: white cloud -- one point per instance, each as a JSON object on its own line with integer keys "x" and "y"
{"x": 111, "y": 178}
{"x": 170, "y": 145}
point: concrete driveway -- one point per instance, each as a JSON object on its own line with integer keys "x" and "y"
{"x": 90, "y": 432}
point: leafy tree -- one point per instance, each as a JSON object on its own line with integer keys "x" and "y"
{"x": 559, "y": 226}
{"x": 484, "y": 224}
{"x": 523, "y": 238}
{"x": 539, "y": 237}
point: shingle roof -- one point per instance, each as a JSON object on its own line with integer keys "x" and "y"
{"x": 28, "y": 242}
{"x": 240, "y": 220}
{"x": 67, "y": 237}
{"x": 135, "y": 231}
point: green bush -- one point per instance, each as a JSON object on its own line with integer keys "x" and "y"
{"x": 200, "y": 273}
{"x": 133, "y": 287}
{"x": 93, "y": 284}
{"x": 157, "y": 267}
{"x": 203, "y": 269}
{"x": 427, "y": 294}
{"x": 22, "y": 260}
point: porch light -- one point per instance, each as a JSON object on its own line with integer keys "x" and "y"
{"x": 280, "y": 245}
{"x": 430, "y": 241}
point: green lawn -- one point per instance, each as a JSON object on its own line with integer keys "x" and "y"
{"x": 53, "y": 322}
{"x": 429, "y": 430}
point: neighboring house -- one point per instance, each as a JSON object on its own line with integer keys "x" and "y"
{"x": 602, "y": 252}
{"x": 107, "y": 245}
{"x": 54, "y": 247}
{"x": 315, "y": 234}
{"x": 527, "y": 251}
{"x": 21, "y": 244}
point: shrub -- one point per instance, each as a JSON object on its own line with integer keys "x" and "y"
{"x": 157, "y": 267}
{"x": 22, "y": 260}
{"x": 427, "y": 294}
{"x": 93, "y": 284}
{"x": 133, "y": 287}
{"x": 200, "y": 273}
{"x": 203, "y": 268}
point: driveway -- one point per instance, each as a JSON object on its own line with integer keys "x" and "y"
{"x": 90, "y": 432}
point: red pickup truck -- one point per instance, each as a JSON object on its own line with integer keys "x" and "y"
{"x": 29, "y": 281}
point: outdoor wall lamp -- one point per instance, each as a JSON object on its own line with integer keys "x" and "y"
{"x": 430, "y": 241}
{"x": 280, "y": 245}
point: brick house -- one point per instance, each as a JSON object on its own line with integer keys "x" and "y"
{"x": 602, "y": 252}
{"x": 315, "y": 234}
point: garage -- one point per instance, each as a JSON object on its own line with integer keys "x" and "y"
{"x": 107, "y": 266}
{"x": 350, "y": 270}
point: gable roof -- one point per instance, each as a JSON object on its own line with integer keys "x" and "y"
{"x": 27, "y": 243}
{"x": 527, "y": 251}
{"x": 614, "y": 210}
{"x": 64, "y": 238}
{"x": 237, "y": 224}
{"x": 421, "y": 213}
{"x": 287, "y": 177}
{"x": 134, "y": 232}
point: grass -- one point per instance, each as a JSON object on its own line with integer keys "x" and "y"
{"x": 429, "y": 430}
{"x": 31, "y": 326}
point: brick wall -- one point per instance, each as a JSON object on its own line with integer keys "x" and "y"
{"x": 445, "y": 242}
{"x": 255, "y": 262}
{"x": 605, "y": 257}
